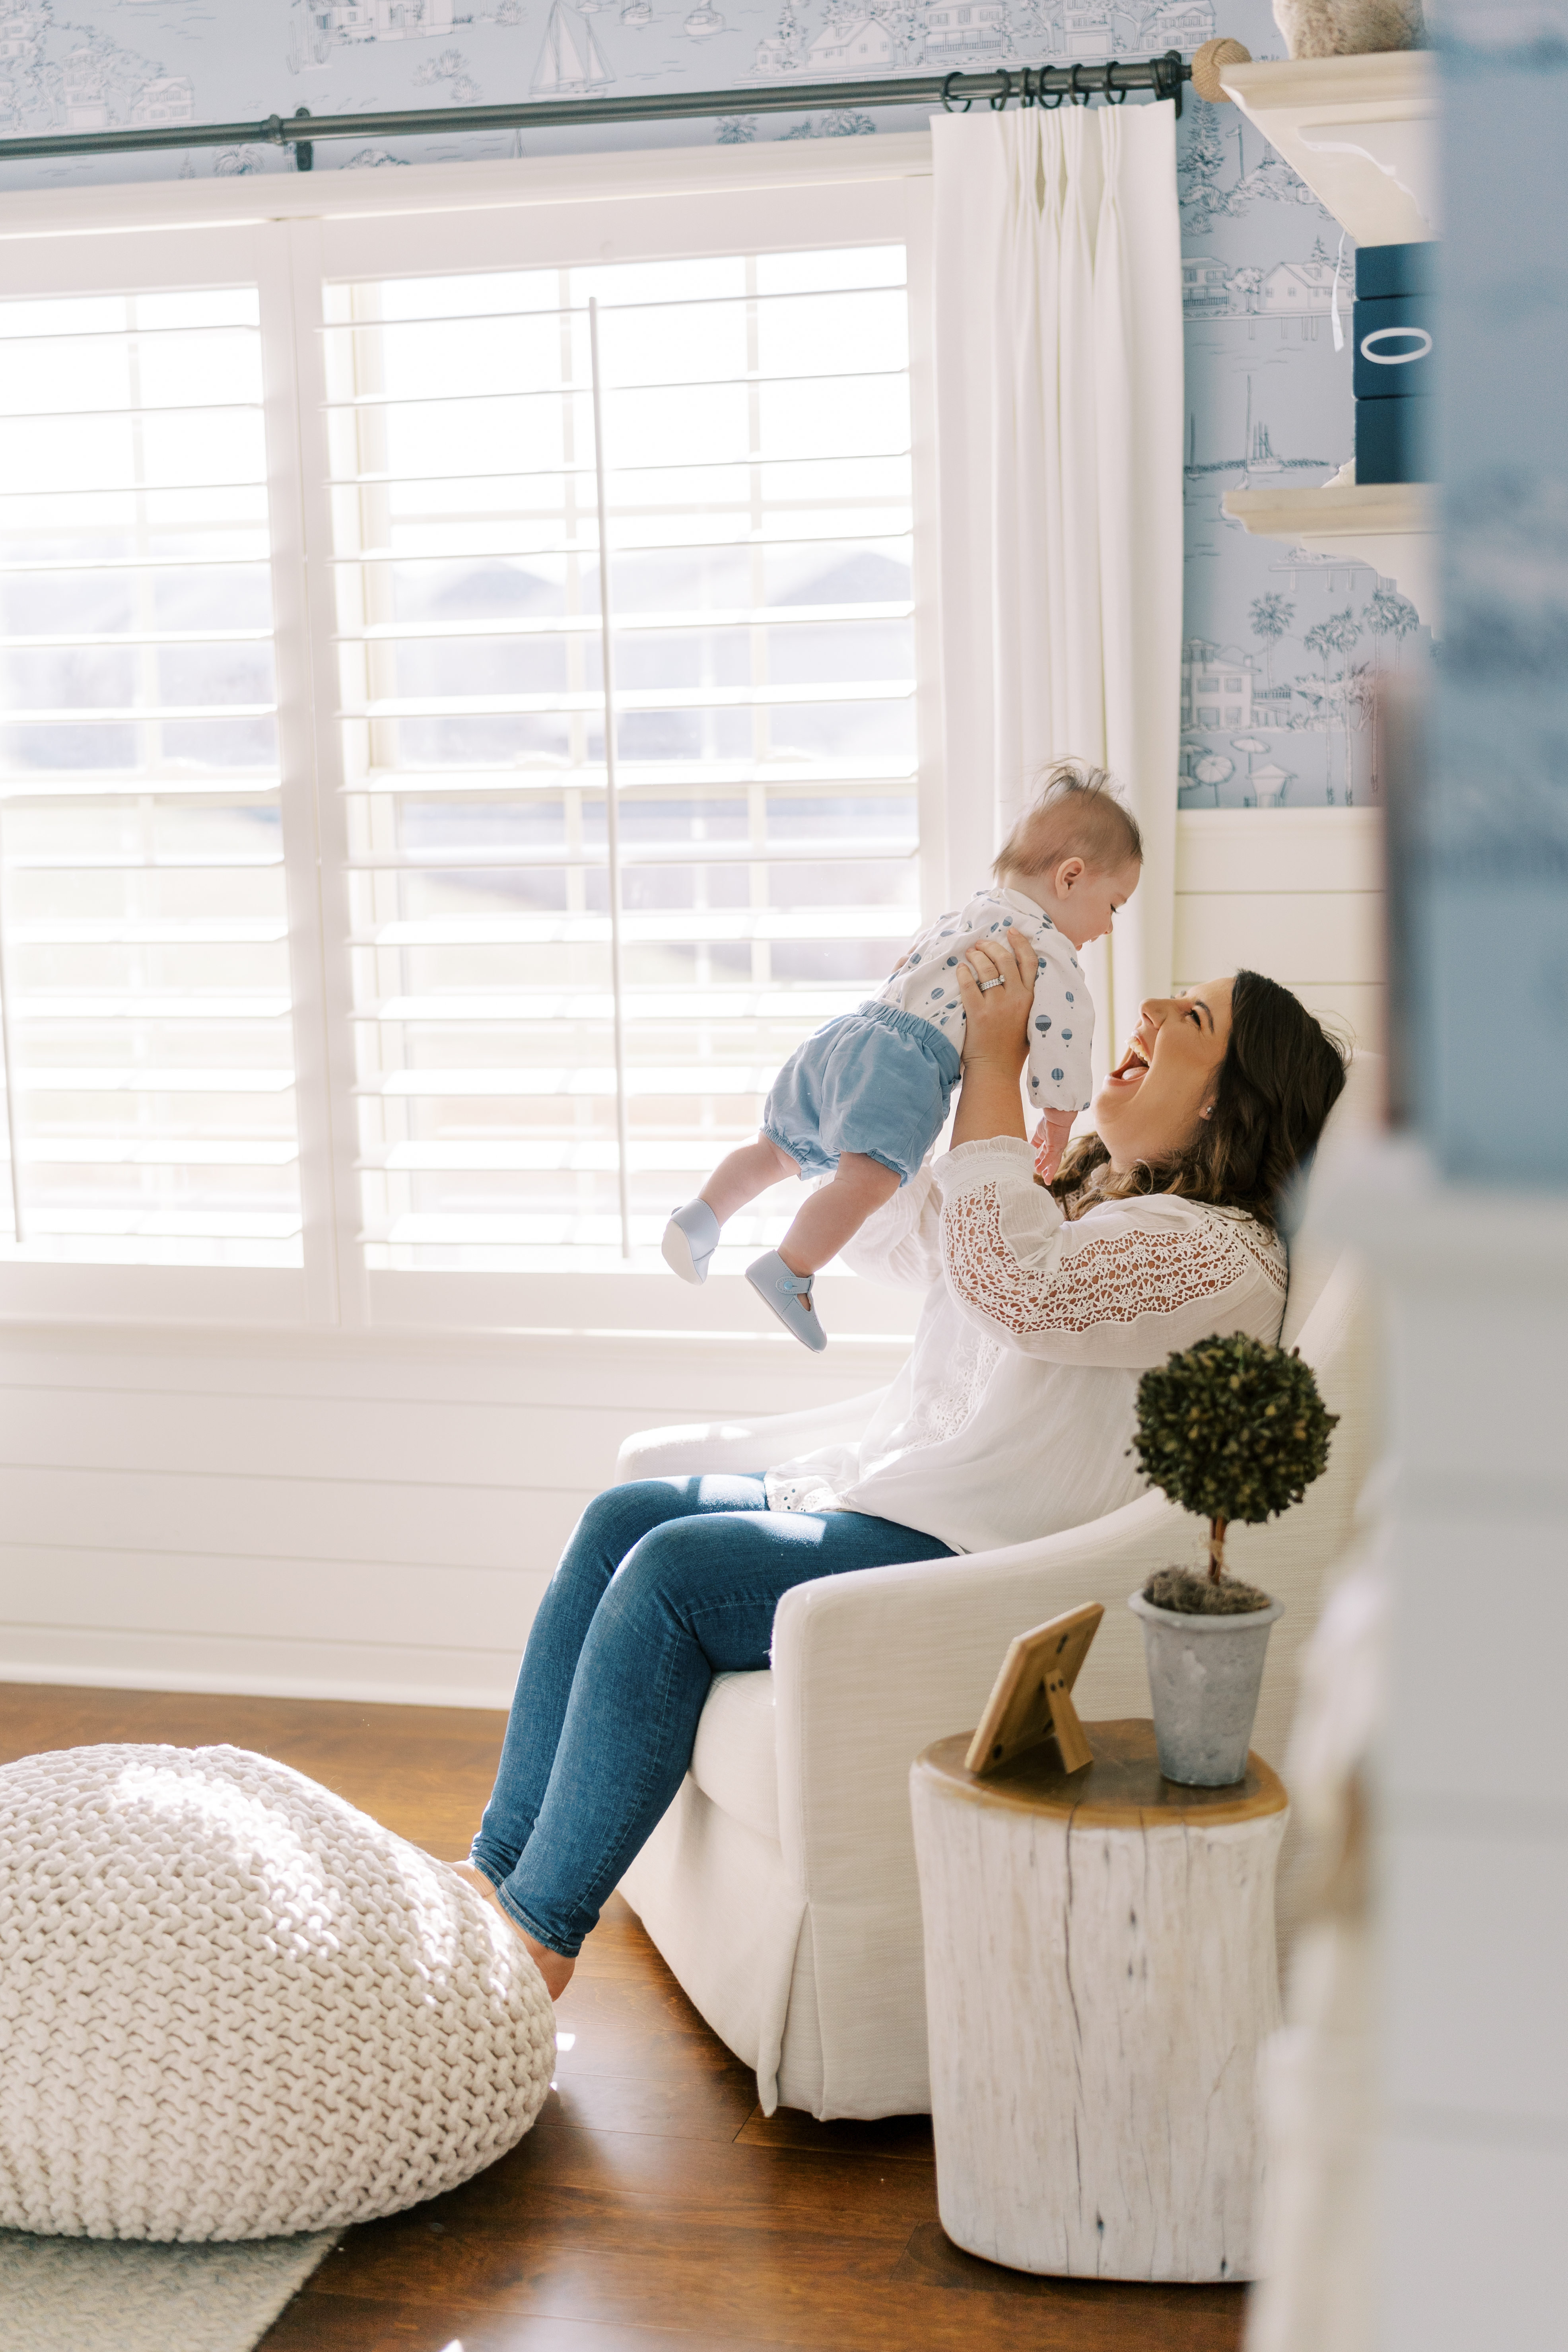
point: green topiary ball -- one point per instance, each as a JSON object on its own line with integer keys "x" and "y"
{"x": 1232, "y": 1428}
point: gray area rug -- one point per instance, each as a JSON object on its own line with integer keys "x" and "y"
{"x": 91, "y": 2295}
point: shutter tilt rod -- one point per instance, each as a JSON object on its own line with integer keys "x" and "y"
{"x": 612, "y": 802}
{"x": 1049, "y": 86}
{"x": 8, "y": 1063}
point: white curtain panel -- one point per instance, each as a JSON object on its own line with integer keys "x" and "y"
{"x": 1059, "y": 412}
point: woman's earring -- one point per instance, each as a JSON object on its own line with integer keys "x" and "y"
{"x": 1208, "y": 1111}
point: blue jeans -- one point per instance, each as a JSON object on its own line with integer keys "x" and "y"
{"x": 664, "y": 1584}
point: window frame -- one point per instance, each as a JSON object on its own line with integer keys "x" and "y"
{"x": 286, "y": 234}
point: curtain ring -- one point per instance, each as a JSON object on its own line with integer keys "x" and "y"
{"x": 1056, "y": 96}
{"x": 1080, "y": 97}
{"x": 1114, "y": 92}
{"x": 1026, "y": 92}
{"x": 998, "y": 105}
{"x": 947, "y": 105}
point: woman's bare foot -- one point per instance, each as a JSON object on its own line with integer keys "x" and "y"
{"x": 554, "y": 1966}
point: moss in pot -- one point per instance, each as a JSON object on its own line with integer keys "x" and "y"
{"x": 1232, "y": 1428}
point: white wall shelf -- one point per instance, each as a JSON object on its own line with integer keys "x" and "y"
{"x": 1361, "y": 131}
{"x": 1392, "y": 526}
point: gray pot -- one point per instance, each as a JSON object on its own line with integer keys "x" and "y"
{"x": 1204, "y": 1674}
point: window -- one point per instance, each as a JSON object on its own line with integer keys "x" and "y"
{"x": 360, "y": 930}
{"x": 520, "y": 924}
{"x": 144, "y": 933}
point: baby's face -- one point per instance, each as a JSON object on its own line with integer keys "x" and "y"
{"x": 1085, "y": 899}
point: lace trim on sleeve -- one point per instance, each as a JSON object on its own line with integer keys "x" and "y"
{"x": 1114, "y": 1278}
{"x": 1263, "y": 1248}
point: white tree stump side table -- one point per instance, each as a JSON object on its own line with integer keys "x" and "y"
{"x": 1100, "y": 1971}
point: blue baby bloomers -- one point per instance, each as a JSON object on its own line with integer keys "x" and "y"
{"x": 877, "y": 1081}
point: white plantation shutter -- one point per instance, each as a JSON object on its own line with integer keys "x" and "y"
{"x": 311, "y": 1007}
{"x": 758, "y": 481}
{"x": 145, "y": 957}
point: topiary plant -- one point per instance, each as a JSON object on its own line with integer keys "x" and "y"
{"x": 1232, "y": 1428}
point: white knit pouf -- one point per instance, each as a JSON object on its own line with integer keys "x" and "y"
{"x": 233, "y": 2007}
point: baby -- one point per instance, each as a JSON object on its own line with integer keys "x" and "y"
{"x": 866, "y": 1097}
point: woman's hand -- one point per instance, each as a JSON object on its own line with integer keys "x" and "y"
{"x": 996, "y": 1019}
{"x": 996, "y": 1037}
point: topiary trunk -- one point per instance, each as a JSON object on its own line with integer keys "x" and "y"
{"x": 1216, "y": 1548}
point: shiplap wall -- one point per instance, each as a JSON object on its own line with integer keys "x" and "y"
{"x": 368, "y": 1519}
{"x": 1295, "y": 892}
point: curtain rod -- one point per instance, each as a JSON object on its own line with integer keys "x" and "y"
{"x": 1048, "y": 85}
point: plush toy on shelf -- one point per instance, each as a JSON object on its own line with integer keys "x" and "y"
{"x": 1349, "y": 28}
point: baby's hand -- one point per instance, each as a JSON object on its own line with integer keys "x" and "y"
{"x": 1050, "y": 1140}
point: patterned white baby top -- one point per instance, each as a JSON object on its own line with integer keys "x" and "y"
{"x": 1061, "y": 1027}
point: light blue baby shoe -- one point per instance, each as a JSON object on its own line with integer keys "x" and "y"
{"x": 690, "y": 1240}
{"x": 789, "y": 1295}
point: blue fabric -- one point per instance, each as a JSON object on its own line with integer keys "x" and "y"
{"x": 664, "y": 1584}
{"x": 876, "y": 1081}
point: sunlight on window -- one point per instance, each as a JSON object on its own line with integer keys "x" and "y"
{"x": 756, "y": 418}
{"x": 144, "y": 938}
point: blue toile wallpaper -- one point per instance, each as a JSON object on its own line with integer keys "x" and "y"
{"x": 1283, "y": 648}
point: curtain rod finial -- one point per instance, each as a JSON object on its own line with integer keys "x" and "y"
{"x": 1208, "y": 63}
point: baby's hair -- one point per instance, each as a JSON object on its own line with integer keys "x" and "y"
{"x": 1076, "y": 813}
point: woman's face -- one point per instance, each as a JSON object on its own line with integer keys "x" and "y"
{"x": 1150, "y": 1105}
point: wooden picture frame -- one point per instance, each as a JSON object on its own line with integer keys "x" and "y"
{"x": 1031, "y": 1700}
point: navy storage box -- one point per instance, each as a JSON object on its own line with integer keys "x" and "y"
{"x": 1393, "y": 441}
{"x": 1383, "y": 271}
{"x": 1392, "y": 346}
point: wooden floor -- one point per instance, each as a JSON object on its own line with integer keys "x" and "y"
{"x": 653, "y": 2207}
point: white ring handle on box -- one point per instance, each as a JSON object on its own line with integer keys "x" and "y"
{"x": 1395, "y": 359}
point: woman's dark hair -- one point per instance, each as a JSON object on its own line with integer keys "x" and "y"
{"x": 1281, "y": 1076}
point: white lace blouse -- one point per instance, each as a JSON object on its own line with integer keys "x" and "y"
{"x": 1013, "y": 1415}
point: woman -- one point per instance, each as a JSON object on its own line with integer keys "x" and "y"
{"x": 1011, "y": 1419}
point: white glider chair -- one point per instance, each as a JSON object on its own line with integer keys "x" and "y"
{"x": 779, "y": 1886}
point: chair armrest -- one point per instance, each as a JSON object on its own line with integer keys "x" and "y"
{"x": 870, "y": 1668}
{"x": 686, "y": 1447}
